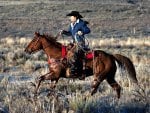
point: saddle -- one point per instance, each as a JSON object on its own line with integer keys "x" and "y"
{"x": 76, "y": 62}
{"x": 67, "y": 51}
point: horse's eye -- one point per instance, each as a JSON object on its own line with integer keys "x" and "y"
{"x": 34, "y": 40}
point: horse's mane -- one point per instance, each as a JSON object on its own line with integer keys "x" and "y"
{"x": 51, "y": 39}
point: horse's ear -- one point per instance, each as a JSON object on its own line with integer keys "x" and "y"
{"x": 58, "y": 34}
{"x": 37, "y": 34}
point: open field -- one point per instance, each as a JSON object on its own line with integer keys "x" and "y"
{"x": 118, "y": 26}
{"x": 107, "y": 18}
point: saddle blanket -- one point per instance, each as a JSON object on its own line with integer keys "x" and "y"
{"x": 89, "y": 55}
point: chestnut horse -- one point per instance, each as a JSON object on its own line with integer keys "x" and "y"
{"x": 102, "y": 66}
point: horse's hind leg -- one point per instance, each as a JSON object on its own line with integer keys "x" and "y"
{"x": 95, "y": 85}
{"x": 112, "y": 82}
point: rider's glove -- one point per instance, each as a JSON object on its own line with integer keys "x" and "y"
{"x": 61, "y": 32}
{"x": 79, "y": 33}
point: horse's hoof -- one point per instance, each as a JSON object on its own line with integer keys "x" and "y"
{"x": 93, "y": 92}
{"x": 118, "y": 92}
{"x": 35, "y": 93}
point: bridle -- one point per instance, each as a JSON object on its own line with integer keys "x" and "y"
{"x": 35, "y": 45}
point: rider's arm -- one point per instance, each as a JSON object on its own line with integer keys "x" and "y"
{"x": 68, "y": 33}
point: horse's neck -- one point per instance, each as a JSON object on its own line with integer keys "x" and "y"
{"x": 52, "y": 50}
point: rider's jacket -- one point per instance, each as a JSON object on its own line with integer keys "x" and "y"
{"x": 79, "y": 25}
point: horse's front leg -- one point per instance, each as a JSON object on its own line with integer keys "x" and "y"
{"x": 42, "y": 78}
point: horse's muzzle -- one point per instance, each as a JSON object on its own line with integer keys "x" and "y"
{"x": 29, "y": 51}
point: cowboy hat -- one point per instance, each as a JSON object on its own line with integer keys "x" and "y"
{"x": 75, "y": 13}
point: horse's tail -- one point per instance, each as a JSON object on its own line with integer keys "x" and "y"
{"x": 128, "y": 65}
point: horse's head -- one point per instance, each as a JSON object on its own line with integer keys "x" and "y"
{"x": 35, "y": 44}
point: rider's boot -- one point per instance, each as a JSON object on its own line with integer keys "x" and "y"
{"x": 82, "y": 77}
{"x": 73, "y": 69}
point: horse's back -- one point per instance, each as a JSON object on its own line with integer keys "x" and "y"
{"x": 104, "y": 56}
